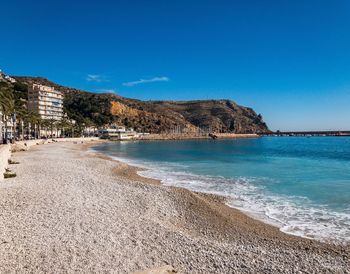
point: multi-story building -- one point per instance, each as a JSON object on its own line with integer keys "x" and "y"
{"x": 45, "y": 100}
{"x": 2, "y": 127}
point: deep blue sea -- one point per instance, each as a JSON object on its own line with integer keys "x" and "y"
{"x": 301, "y": 185}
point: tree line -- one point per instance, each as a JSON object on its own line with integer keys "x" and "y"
{"x": 26, "y": 124}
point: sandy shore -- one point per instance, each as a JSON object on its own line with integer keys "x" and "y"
{"x": 69, "y": 210}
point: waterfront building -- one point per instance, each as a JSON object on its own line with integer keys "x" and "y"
{"x": 118, "y": 133}
{"x": 46, "y": 101}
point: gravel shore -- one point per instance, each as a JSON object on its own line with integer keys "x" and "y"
{"x": 69, "y": 210}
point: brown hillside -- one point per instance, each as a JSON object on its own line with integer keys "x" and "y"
{"x": 157, "y": 116}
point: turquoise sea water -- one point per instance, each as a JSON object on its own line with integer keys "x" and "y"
{"x": 300, "y": 184}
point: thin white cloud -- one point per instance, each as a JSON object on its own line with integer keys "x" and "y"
{"x": 96, "y": 78}
{"x": 107, "y": 91}
{"x": 144, "y": 81}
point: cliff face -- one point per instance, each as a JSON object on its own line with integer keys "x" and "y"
{"x": 157, "y": 116}
{"x": 218, "y": 115}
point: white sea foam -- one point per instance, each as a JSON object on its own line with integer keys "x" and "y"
{"x": 292, "y": 214}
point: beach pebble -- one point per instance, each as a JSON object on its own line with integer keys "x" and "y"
{"x": 67, "y": 211}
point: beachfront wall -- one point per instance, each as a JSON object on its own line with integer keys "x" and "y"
{"x": 5, "y": 154}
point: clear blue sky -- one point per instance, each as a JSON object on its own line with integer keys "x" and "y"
{"x": 289, "y": 60}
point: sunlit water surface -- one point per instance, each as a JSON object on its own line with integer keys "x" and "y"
{"x": 302, "y": 185}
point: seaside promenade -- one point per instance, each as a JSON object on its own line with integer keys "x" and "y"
{"x": 70, "y": 210}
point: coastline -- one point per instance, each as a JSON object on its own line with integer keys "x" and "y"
{"x": 197, "y": 233}
{"x": 185, "y": 136}
{"x": 237, "y": 216}
{"x": 131, "y": 172}
{"x": 156, "y": 171}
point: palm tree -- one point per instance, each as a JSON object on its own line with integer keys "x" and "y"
{"x": 63, "y": 125}
{"x": 33, "y": 119}
{"x": 12, "y": 107}
{"x": 45, "y": 124}
{"x": 21, "y": 114}
{"x": 71, "y": 126}
{"x": 22, "y": 119}
{"x": 52, "y": 123}
{"x": 88, "y": 124}
{"x": 7, "y": 106}
{"x": 36, "y": 118}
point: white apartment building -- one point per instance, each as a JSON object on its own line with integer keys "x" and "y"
{"x": 45, "y": 100}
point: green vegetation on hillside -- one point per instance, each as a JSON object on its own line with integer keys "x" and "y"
{"x": 88, "y": 108}
{"x": 13, "y": 98}
{"x": 93, "y": 109}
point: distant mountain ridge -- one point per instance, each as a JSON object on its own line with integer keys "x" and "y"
{"x": 155, "y": 116}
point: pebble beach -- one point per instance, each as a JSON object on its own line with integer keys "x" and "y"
{"x": 72, "y": 210}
